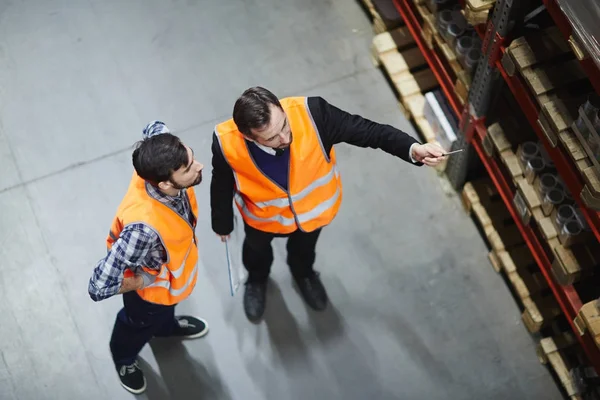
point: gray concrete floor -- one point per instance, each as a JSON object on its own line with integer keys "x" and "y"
{"x": 417, "y": 312}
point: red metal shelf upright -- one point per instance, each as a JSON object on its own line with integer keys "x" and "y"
{"x": 405, "y": 8}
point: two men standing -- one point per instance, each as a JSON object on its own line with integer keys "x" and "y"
{"x": 275, "y": 160}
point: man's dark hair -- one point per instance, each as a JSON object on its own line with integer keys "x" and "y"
{"x": 157, "y": 157}
{"x": 251, "y": 110}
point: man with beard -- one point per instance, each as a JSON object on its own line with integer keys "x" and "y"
{"x": 152, "y": 251}
{"x": 275, "y": 159}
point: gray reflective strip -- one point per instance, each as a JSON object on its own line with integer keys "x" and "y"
{"x": 177, "y": 292}
{"x": 277, "y": 218}
{"x": 112, "y": 236}
{"x": 316, "y": 130}
{"x": 320, "y": 209}
{"x": 177, "y": 272}
{"x": 285, "y": 202}
{"x": 164, "y": 273}
{"x": 237, "y": 182}
{"x": 304, "y": 217}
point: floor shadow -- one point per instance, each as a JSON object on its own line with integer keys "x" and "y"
{"x": 284, "y": 334}
{"x": 407, "y": 337}
{"x": 328, "y": 323}
{"x": 155, "y": 389}
{"x": 181, "y": 376}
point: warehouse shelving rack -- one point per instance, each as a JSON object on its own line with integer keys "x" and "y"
{"x": 473, "y": 130}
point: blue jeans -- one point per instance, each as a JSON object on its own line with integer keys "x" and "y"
{"x": 136, "y": 323}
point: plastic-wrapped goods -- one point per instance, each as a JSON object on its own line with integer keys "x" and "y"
{"x": 583, "y": 15}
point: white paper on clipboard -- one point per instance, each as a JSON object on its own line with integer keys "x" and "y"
{"x": 233, "y": 252}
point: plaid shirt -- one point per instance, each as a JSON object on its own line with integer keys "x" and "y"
{"x": 138, "y": 245}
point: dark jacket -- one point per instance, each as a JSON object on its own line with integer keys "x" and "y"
{"x": 334, "y": 126}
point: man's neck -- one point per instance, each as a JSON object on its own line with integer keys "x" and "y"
{"x": 170, "y": 192}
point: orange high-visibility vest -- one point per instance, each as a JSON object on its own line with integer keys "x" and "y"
{"x": 177, "y": 277}
{"x": 314, "y": 186}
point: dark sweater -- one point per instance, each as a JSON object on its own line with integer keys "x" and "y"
{"x": 334, "y": 126}
{"x": 275, "y": 167}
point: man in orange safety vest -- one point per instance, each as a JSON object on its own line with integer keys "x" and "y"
{"x": 152, "y": 251}
{"x": 275, "y": 159}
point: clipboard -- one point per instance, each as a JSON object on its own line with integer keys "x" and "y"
{"x": 233, "y": 253}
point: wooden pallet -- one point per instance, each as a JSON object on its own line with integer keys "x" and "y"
{"x": 588, "y": 320}
{"x": 436, "y": 43}
{"x": 545, "y": 62}
{"x": 481, "y": 199}
{"x": 552, "y": 75}
{"x": 530, "y": 287}
{"x": 407, "y": 72}
{"x": 573, "y": 148}
{"x": 557, "y": 352}
{"x": 383, "y": 14}
{"x": 476, "y": 11}
{"x": 509, "y": 255}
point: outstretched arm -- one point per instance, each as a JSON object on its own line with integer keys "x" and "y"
{"x": 338, "y": 126}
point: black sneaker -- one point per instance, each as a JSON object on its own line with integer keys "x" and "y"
{"x": 313, "y": 291}
{"x": 190, "y": 327}
{"x": 132, "y": 378}
{"x": 255, "y": 299}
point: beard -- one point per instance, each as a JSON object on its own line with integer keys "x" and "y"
{"x": 198, "y": 179}
{"x": 182, "y": 187}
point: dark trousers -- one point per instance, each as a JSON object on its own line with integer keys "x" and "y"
{"x": 257, "y": 253}
{"x": 138, "y": 322}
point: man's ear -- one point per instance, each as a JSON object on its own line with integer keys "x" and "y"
{"x": 165, "y": 185}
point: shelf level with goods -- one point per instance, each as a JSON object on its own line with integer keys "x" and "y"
{"x": 538, "y": 292}
{"x": 517, "y": 254}
{"x": 551, "y": 89}
{"x": 437, "y": 32}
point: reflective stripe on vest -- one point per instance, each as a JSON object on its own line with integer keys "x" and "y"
{"x": 166, "y": 284}
{"x": 304, "y": 217}
{"x": 285, "y": 202}
{"x": 112, "y": 236}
